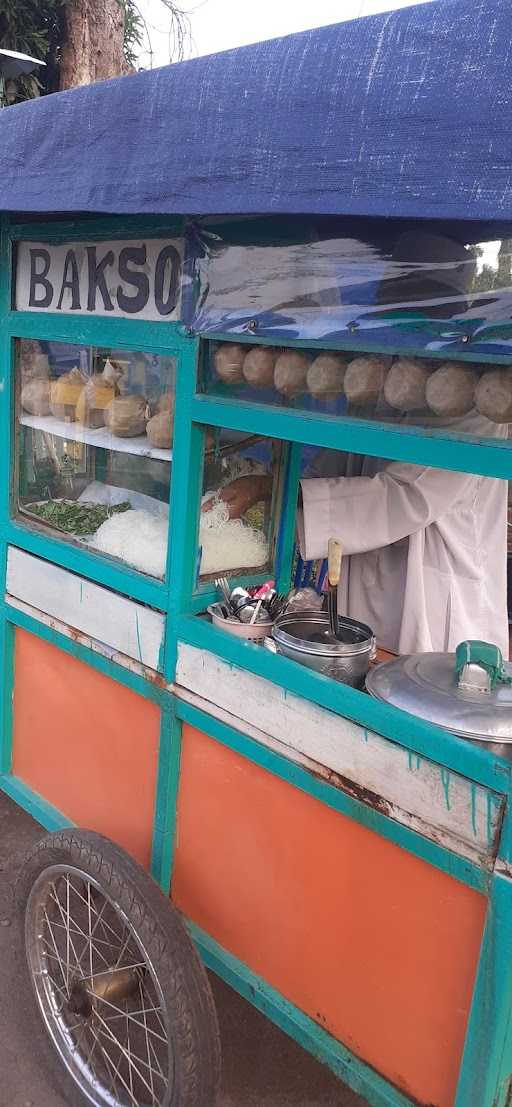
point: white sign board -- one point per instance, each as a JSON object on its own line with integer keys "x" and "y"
{"x": 140, "y": 279}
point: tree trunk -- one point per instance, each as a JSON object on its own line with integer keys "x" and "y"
{"x": 93, "y": 44}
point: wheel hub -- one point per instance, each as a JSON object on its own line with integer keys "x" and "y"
{"x": 113, "y": 986}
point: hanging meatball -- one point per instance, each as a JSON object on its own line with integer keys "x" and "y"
{"x": 258, "y": 367}
{"x": 451, "y": 389}
{"x": 290, "y": 374}
{"x": 228, "y": 361}
{"x": 364, "y": 379}
{"x": 326, "y": 375}
{"x": 493, "y": 395}
{"x": 405, "y": 384}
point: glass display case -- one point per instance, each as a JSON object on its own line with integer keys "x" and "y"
{"x": 94, "y": 434}
{"x": 449, "y": 397}
{"x": 241, "y": 493}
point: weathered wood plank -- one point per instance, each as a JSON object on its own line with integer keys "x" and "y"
{"x": 126, "y": 626}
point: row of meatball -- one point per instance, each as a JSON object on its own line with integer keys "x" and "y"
{"x": 448, "y": 389}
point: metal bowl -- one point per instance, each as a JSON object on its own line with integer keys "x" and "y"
{"x": 304, "y": 636}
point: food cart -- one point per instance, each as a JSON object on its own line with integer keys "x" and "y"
{"x": 341, "y": 861}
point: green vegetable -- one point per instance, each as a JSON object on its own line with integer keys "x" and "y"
{"x": 255, "y": 516}
{"x": 75, "y": 517}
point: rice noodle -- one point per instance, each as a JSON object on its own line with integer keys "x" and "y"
{"x": 138, "y": 538}
{"x": 229, "y": 543}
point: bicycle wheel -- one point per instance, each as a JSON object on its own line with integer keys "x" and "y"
{"x": 124, "y": 1008}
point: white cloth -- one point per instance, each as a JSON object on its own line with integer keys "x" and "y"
{"x": 427, "y": 564}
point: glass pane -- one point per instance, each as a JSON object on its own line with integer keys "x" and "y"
{"x": 452, "y": 398}
{"x": 424, "y": 550}
{"x": 240, "y": 491}
{"x": 94, "y": 447}
{"x": 402, "y": 286}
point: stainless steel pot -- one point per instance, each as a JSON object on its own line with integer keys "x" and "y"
{"x": 304, "y": 636}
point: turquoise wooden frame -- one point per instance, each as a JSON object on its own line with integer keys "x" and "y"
{"x": 486, "y": 1072}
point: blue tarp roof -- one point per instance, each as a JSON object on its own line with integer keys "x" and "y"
{"x": 406, "y": 114}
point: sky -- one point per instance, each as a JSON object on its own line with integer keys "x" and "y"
{"x": 222, "y": 24}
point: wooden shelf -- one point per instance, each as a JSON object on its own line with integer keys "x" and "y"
{"x": 103, "y": 438}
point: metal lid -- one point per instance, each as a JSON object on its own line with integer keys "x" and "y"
{"x": 428, "y": 685}
{"x": 308, "y": 632}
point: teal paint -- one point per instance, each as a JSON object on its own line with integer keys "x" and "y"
{"x": 40, "y": 810}
{"x": 365, "y": 734}
{"x": 169, "y": 760}
{"x": 473, "y": 808}
{"x": 137, "y": 628}
{"x": 349, "y": 1068}
{"x": 494, "y": 458}
{"x": 505, "y": 842}
{"x": 104, "y": 227}
{"x": 6, "y": 384}
{"x": 458, "y": 867}
{"x": 130, "y": 334}
{"x": 286, "y": 536}
{"x": 487, "y": 1060}
{"x": 492, "y": 806}
{"x": 445, "y": 781}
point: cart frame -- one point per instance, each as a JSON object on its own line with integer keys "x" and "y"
{"x": 486, "y": 1072}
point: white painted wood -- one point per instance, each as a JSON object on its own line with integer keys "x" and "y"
{"x": 60, "y": 264}
{"x": 126, "y": 626}
{"x": 75, "y": 432}
{"x": 447, "y": 806}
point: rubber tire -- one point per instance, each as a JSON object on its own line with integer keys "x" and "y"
{"x": 176, "y": 963}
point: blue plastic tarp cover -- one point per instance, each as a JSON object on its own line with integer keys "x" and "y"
{"x": 406, "y": 114}
{"x": 418, "y": 287}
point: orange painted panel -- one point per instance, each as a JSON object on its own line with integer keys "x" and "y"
{"x": 374, "y": 944}
{"x": 85, "y": 743}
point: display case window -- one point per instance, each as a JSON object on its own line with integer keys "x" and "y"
{"x": 241, "y": 490}
{"x": 94, "y": 433}
{"x": 452, "y": 398}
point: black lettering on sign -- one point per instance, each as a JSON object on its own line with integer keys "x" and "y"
{"x": 70, "y": 281}
{"x": 96, "y": 271}
{"x": 135, "y": 255}
{"x": 38, "y": 277}
{"x": 167, "y": 280}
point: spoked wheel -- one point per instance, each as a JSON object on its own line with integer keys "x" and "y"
{"x": 124, "y": 1004}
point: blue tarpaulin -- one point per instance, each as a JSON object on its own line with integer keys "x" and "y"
{"x": 406, "y": 114}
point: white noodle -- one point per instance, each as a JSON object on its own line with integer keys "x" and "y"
{"x": 138, "y": 538}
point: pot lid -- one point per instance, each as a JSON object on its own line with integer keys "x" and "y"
{"x": 468, "y": 693}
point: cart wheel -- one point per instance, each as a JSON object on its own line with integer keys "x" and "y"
{"x": 125, "y": 1014}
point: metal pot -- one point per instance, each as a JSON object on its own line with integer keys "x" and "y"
{"x": 473, "y": 700}
{"x": 304, "y": 636}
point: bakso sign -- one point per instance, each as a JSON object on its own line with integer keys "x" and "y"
{"x": 136, "y": 280}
